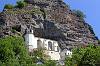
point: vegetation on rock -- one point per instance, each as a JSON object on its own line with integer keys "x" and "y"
{"x": 44, "y": 13}
{"x": 8, "y": 6}
{"x": 79, "y": 13}
{"x": 91, "y": 29}
{"x": 22, "y": 11}
{"x": 21, "y": 4}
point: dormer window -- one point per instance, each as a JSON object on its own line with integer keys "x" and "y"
{"x": 57, "y": 49}
{"x": 49, "y": 45}
{"x": 39, "y": 44}
{"x": 68, "y": 53}
{"x": 30, "y": 30}
{"x": 65, "y": 54}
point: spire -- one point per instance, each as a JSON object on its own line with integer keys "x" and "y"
{"x": 29, "y": 30}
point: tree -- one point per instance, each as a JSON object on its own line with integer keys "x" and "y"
{"x": 89, "y": 56}
{"x": 13, "y": 51}
{"x": 79, "y": 13}
{"x": 50, "y": 63}
{"x": 21, "y": 4}
{"x": 8, "y": 6}
{"x": 39, "y": 55}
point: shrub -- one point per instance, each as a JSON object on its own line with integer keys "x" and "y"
{"x": 44, "y": 12}
{"x": 79, "y": 13}
{"x": 21, "y": 4}
{"x": 8, "y": 6}
{"x": 13, "y": 51}
{"x": 88, "y": 56}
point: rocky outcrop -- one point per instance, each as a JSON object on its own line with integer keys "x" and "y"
{"x": 49, "y": 19}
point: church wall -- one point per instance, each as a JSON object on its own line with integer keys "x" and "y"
{"x": 53, "y": 55}
{"x": 31, "y": 42}
{"x": 65, "y": 53}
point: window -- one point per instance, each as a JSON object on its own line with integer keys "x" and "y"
{"x": 51, "y": 52}
{"x": 57, "y": 49}
{"x": 53, "y": 46}
{"x": 49, "y": 45}
{"x": 39, "y": 44}
{"x": 65, "y": 53}
{"x": 68, "y": 53}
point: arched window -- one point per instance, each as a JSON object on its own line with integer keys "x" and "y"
{"x": 49, "y": 45}
{"x": 53, "y": 46}
{"x": 57, "y": 48}
{"x": 39, "y": 44}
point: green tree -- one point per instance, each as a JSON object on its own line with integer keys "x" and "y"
{"x": 39, "y": 54}
{"x": 8, "y": 6}
{"x": 21, "y": 4}
{"x": 50, "y": 63}
{"x": 79, "y": 14}
{"x": 13, "y": 51}
{"x": 88, "y": 56}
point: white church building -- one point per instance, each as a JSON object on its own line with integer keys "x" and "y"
{"x": 52, "y": 48}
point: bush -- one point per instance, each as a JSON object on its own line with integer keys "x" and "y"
{"x": 79, "y": 13}
{"x": 13, "y": 51}
{"x": 21, "y": 4}
{"x": 8, "y": 6}
{"x": 88, "y": 56}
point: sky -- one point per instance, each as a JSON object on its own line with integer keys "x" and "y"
{"x": 90, "y": 8}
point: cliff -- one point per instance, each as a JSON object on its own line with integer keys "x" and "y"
{"x": 51, "y": 19}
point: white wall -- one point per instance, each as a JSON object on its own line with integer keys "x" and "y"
{"x": 29, "y": 39}
{"x": 31, "y": 42}
{"x": 54, "y": 55}
{"x": 65, "y": 53}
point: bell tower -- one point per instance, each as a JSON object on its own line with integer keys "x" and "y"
{"x": 30, "y": 39}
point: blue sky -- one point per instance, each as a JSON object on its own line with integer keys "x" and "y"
{"x": 89, "y": 7}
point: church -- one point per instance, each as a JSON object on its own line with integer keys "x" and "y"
{"x": 52, "y": 48}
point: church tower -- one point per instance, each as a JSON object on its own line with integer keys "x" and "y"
{"x": 30, "y": 39}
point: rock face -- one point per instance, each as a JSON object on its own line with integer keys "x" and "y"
{"x": 51, "y": 19}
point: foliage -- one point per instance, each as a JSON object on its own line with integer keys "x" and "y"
{"x": 8, "y": 6}
{"x": 21, "y": 4}
{"x": 50, "y": 63}
{"x": 44, "y": 12}
{"x": 79, "y": 14}
{"x": 91, "y": 29}
{"x": 13, "y": 51}
{"x": 13, "y": 31}
{"x": 89, "y": 56}
{"x": 22, "y": 11}
{"x": 98, "y": 41}
{"x": 39, "y": 55}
